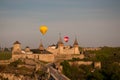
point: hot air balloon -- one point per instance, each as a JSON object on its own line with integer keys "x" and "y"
{"x": 66, "y": 38}
{"x": 43, "y": 29}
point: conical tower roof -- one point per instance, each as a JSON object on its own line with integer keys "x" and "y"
{"x": 27, "y": 47}
{"x": 17, "y": 42}
{"x": 75, "y": 42}
{"x": 60, "y": 40}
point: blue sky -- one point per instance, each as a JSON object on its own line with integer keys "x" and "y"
{"x": 94, "y": 22}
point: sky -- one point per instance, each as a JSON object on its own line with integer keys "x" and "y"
{"x": 95, "y": 23}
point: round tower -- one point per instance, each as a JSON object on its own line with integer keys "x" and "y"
{"x": 16, "y": 47}
{"x": 27, "y": 49}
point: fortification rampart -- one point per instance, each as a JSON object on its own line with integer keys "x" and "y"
{"x": 62, "y": 57}
{"x": 81, "y": 62}
{"x": 96, "y": 64}
{"x": 47, "y": 57}
{"x": 64, "y": 51}
{"x": 42, "y": 57}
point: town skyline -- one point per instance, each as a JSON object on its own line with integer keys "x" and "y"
{"x": 94, "y": 23}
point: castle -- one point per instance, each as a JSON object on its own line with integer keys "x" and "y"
{"x": 49, "y": 54}
{"x": 61, "y": 49}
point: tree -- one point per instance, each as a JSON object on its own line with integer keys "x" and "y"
{"x": 6, "y": 49}
{"x": 96, "y": 75}
{"x": 66, "y": 68}
{"x": 111, "y": 71}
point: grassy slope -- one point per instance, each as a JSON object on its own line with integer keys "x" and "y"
{"x": 105, "y": 53}
{"x": 5, "y": 55}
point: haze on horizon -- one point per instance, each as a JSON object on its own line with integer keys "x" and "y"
{"x": 94, "y": 22}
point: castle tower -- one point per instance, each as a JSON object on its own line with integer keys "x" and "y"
{"x": 16, "y": 47}
{"x": 76, "y": 47}
{"x": 27, "y": 49}
{"x": 41, "y": 47}
{"x": 60, "y": 45}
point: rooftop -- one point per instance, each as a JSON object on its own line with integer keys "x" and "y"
{"x": 17, "y": 42}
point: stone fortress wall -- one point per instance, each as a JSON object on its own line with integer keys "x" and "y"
{"x": 91, "y": 49}
{"x": 47, "y": 57}
{"x": 42, "y": 57}
{"x": 65, "y": 51}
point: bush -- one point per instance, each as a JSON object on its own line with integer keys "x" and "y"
{"x": 15, "y": 63}
{"x": 74, "y": 72}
